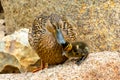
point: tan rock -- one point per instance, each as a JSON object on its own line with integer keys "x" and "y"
{"x": 1, "y": 11}
{"x": 2, "y": 21}
{"x": 2, "y": 34}
{"x": 2, "y": 28}
{"x": 1, "y": 15}
{"x": 17, "y": 45}
{"x": 9, "y": 64}
{"x": 98, "y": 20}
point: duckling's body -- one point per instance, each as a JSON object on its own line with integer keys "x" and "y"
{"x": 43, "y": 40}
{"x": 79, "y": 50}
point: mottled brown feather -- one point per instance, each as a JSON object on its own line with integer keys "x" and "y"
{"x": 43, "y": 41}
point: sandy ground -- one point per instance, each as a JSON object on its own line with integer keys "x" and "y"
{"x": 98, "y": 66}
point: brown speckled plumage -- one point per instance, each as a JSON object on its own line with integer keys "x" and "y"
{"x": 42, "y": 37}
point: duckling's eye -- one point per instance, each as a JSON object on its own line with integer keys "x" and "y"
{"x": 75, "y": 50}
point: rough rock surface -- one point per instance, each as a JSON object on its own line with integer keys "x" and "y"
{"x": 1, "y": 11}
{"x": 2, "y": 28}
{"x": 18, "y": 49}
{"x": 98, "y": 66}
{"x": 9, "y": 64}
{"x": 98, "y": 20}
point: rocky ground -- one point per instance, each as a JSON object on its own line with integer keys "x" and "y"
{"x": 98, "y": 66}
{"x": 98, "y": 22}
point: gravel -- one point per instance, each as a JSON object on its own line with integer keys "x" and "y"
{"x": 98, "y": 66}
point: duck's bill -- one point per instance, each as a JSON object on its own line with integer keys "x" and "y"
{"x": 60, "y": 37}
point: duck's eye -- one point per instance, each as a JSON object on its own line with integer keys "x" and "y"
{"x": 77, "y": 53}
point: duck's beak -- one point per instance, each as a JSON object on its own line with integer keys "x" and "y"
{"x": 60, "y": 38}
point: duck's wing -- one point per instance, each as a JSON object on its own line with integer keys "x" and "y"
{"x": 37, "y": 29}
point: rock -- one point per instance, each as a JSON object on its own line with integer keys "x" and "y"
{"x": 2, "y": 34}
{"x": 17, "y": 45}
{"x": 98, "y": 20}
{"x": 2, "y": 28}
{"x": 1, "y": 8}
{"x": 98, "y": 66}
{"x": 1, "y": 15}
{"x": 9, "y": 64}
{"x": 1, "y": 11}
{"x": 102, "y": 65}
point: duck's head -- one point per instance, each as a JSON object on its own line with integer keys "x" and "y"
{"x": 54, "y": 23}
{"x": 75, "y": 49}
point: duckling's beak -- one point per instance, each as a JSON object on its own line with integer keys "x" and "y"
{"x": 68, "y": 47}
{"x": 60, "y": 38}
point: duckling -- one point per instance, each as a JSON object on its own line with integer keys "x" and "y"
{"x": 44, "y": 38}
{"x": 79, "y": 50}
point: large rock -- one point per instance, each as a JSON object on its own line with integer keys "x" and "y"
{"x": 2, "y": 28}
{"x": 16, "y": 52}
{"x": 98, "y": 66}
{"x": 9, "y": 64}
{"x": 1, "y": 11}
{"x": 1, "y": 8}
{"x": 98, "y": 20}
